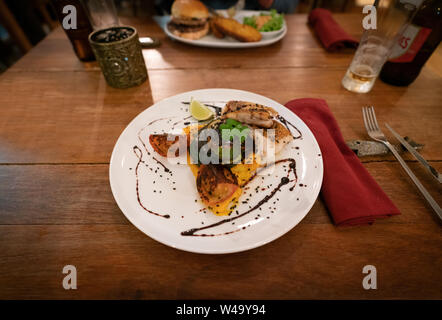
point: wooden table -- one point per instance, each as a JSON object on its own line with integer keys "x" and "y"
{"x": 59, "y": 122}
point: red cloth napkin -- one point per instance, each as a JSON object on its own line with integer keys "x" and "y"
{"x": 350, "y": 193}
{"x": 330, "y": 33}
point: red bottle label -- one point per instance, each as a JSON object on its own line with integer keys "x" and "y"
{"x": 409, "y": 44}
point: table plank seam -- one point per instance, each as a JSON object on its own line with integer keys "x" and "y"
{"x": 67, "y": 224}
{"x": 53, "y": 163}
{"x": 107, "y": 163}
{"x": 96, "y": 69}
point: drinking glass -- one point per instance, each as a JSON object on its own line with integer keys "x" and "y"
{"x": 102, "y": 13}
{"x": 118, "y": 52}
{"x": 392, "y": 17}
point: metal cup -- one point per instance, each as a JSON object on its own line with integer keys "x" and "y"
{"x": 120, "y": 59}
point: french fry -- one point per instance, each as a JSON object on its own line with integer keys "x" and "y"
{"x": 215, "y": 30}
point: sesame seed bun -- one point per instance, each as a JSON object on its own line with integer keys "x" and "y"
{"x": 189, "y": 9}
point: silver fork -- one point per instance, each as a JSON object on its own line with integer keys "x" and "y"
{"x": 371, "y": 124}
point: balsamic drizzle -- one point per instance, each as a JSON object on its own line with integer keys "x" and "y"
{"x": 166, "y": 169}
{"x": 174, "y": 124}
{"x": 287, "y": 124}
{"x": 284, "y": 181}
{"x": 156, "y": 120}
{"x": 139, "y": 155}
{"x": 217, "y": 109}
{"x": 192, "y": 232}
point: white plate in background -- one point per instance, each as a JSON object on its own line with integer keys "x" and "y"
{"x": 227, "y": 42}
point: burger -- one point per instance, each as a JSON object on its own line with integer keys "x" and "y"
{"x": 189, "y": 19}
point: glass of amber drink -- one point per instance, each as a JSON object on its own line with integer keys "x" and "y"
{"x": 391, "y": 18}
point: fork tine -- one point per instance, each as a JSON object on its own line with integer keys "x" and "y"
{"x": 367, "y": 114}
{"x": 369, "y": 121}
{"x": 375, "y": 121}
{"x": 364, "y": 116}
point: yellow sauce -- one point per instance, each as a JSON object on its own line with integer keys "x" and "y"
{"x": 243, "y": 173}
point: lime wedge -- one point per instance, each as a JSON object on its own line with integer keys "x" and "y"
{"x": 199, "y": 111}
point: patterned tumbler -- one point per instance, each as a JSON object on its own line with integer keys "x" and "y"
{"x": 118, "y": 52}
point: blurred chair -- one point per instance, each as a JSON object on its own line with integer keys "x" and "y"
{"x": 8, "y": 20}
{"x": 46, "y": 12}
{"x": 342, "y": 4}
{"x": 23, "y": 23}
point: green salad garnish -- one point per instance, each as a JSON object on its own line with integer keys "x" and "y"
{"x": 250, "y": 21}
{"x": 275, "y": 23}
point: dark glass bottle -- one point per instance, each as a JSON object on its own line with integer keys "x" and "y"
{"x": 78, "y": 36}
{"x": 416, "y": 45}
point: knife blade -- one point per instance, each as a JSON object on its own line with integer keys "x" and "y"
{"x": 416, "y": 154}
{"x": 231, "y": 12}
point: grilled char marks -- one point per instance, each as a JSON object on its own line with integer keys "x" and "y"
{"x": 237, "y": 105}
{"x": 250, "y": 113}
{"x": 161, "y": 145}
{"x": 215, "y": 183}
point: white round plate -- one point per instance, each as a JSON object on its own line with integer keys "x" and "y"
{"x": 156, "y": 190}
{"x": 227, "y": 42}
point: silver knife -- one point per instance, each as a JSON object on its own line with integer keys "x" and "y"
{"x": 231, "y": 12}
{"x": 416, "y": 154}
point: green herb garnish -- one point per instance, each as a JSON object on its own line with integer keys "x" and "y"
{"x": 232, "y": 124}
{"x": 275, "y": 23}
{"x": 250, "y": 21}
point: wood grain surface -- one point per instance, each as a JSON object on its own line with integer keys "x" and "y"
{"x": 59, "y": 122}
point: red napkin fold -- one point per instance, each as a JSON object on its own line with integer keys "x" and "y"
{"x": 350, "y": 193}
{"x": 330, "y": 33}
